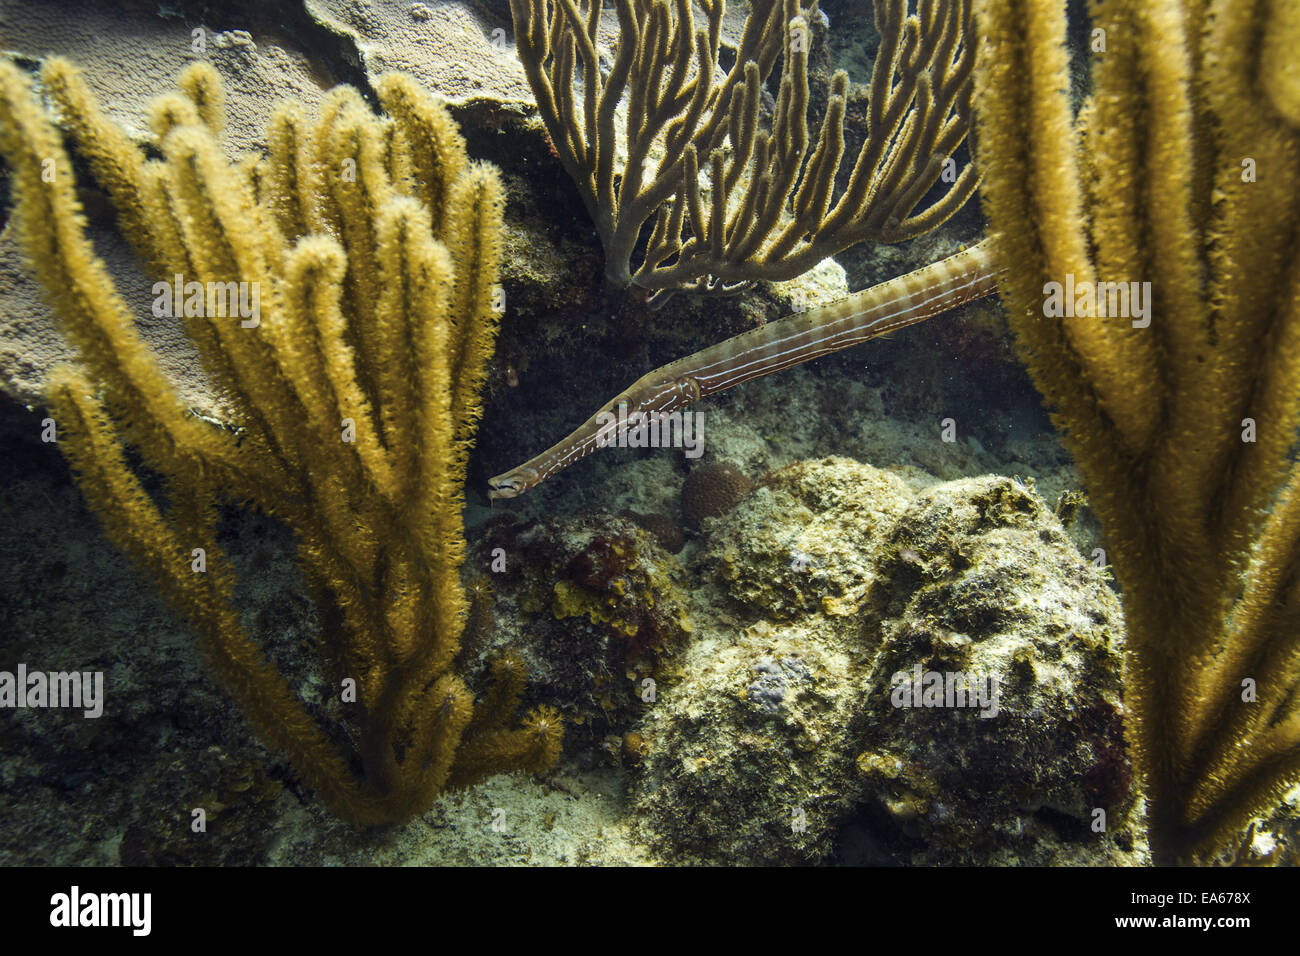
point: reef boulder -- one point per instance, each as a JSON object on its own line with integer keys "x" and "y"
{"x": 992, "y": 729}
{"x": 939, "y": 682}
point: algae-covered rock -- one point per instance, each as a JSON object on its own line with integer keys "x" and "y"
{"x": 939, "y": 683}
{"x": 750, "y": 752}
{"x": 805, "y": 541}
{"x": 594, "y": 606}
{"x": 986, "y": 595}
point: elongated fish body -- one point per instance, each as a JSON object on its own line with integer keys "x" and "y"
{"x": 968, "y": 275}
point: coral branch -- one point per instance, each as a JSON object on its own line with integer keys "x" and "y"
{"x": 1182, "y": 420}
{"x": 736, "y": 202}
{"x": 371, "y": 245}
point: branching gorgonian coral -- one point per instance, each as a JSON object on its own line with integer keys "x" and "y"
{"x": 367, "y": 248}
{"x": 735, "y": 197}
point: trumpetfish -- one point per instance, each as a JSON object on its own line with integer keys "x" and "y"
{"x": 784, "y": 343}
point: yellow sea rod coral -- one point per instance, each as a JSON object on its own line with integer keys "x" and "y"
{"x": 1178, "y": 172}
{"x": 362, "y": 253}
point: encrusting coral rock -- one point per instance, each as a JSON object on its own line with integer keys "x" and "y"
{"x": 983, "y": 583}
{"x": 595, "y": 606}
{"x": 751, "y": 755}
{"x": 802, "y": 542}
{"x": 784, "y": 740}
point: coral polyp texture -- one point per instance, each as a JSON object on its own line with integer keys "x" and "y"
{"x": 338, "y": 291}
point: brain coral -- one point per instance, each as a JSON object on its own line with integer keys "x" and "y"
{"x": 713, "y": 489}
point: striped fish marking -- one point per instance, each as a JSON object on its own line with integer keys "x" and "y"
{"x": 964, "y": 277}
